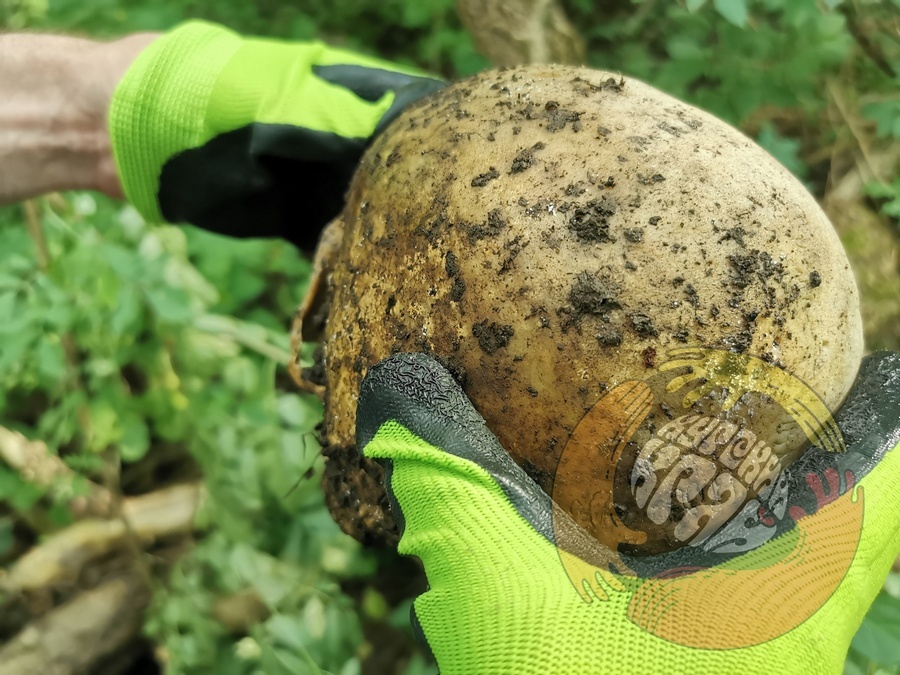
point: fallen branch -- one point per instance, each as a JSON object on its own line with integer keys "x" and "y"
{"x": 62, "y": 557}
{"x": 72, "y": 638}
{"x": 34, "y": 461}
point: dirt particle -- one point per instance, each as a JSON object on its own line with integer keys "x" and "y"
{"x": 513, "y": 247}
{"x": 590, "y": 222}
{"x": 738, "y": 342}
{"x": 451, "y": 264}
{"x": 649, "y": 357}
{"x": 691, "y": 295}
{"x": 634, "y": 234}
{"x": 456, "y": 368}
{"x": 603, "y": 131}
{"x": 457, "y": 289}
{"x": 592, "y": 295}
{"x": 489, "y": 228}
{"x": 654, "y": 220}
{"x": 483, "y": 179}
{"x": 391, "y": 303}
{"x": 815, "y": 279}
{"x": 532, "y": 392}
{"x": 745, "y": 268}
{"x": 735, "y": 234}
{"x": 491, "y": 336}
{"x": 609, "y": 338}
{"x": 643, "y": 325}
{"x": 558, "y": 118}
{"x": 682, "y": 335}
{"x": 393, "y": 157}
{"x": 316, "y": 372}
{"x": 614, "y": 85}
{"x": 491, "y": 137}
{"x": 655, "y": 178}
{"x": 525, "y": 158}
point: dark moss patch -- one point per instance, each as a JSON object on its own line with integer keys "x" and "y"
{"x": 815, "y": 279}
{"x": 590, "y": 222}
{"x": 492, "y": 336}
{"x": 592, "y": 294}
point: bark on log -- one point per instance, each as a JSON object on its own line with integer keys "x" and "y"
{"x": 89, "y": 628}
{"x": 515, "y": 32}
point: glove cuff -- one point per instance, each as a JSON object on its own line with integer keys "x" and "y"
{"x": 159, "y": 108}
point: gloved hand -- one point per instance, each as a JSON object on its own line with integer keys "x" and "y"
{"x": 250, "y": 137}
{"x": 513, "y": 588}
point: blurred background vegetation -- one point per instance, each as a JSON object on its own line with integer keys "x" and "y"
{"x": 141, "y": 358}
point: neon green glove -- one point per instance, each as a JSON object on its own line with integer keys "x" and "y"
{"x": 504, "y": 598}
{"x": 250, "y": 137}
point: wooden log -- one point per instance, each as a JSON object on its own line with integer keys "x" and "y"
{"x": 62, "y": 557}
{"x": 72, "y": 638}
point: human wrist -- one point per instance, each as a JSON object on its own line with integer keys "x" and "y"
{"x": 53, "y": 132}
{"x": 110, "y": 61}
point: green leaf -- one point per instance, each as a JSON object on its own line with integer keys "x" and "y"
{"x": 694, "y": 5}
{"x": 20, "y": 494}
{"x": 733, "y": 11}
{"x": 877, "y": 636}
{"x": 886, "y": 115}
{"x": 50, "y": 360}
{"x": 785, "y": 150}
{"x": 6, "y": 535}
{"x": 172, "y": 305}
{"x": 135, "y": 440}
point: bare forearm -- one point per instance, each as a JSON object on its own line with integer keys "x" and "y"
{"x": 53, "y": 133}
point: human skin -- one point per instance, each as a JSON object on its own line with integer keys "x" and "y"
{"x": 53, "y": 112}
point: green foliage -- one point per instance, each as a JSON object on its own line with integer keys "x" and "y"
{"x": 729, "y": 56}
